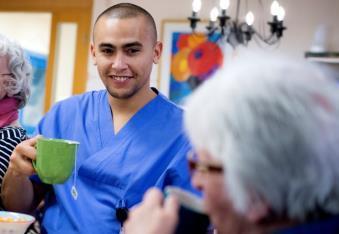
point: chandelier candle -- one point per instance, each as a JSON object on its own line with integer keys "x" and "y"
{"x": 235, "y": 32}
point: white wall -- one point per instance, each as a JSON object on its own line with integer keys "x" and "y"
{"x": 36, "y": 39}
{"x": 302, "y": 19}
{"x": 64, "y": 63}
{"x": 93, "y": 82}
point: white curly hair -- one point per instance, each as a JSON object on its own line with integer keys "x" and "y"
{"x": 274, "y": 123}
{"x": 17, "y": 85}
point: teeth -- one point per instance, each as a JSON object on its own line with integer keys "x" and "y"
{"x": 120, "y": 78}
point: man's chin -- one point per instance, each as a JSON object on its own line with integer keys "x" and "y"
{"x": 123, "y": 94}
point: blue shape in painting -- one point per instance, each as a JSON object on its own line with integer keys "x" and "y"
{"x": 179, "y": 90}
{"x": 175, "y": 39}
{"x": 31, "y": 114}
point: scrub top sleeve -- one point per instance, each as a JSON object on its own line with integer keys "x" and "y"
{"x": 178, "y": 174}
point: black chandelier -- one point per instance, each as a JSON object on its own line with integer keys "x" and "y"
{"x": 234, "y": 31}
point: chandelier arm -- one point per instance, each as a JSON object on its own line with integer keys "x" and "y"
{"x": 269, "y": 40}
{"x": 247, "y": 32}
{"x": 260, "y": 42}
{"x": 193, "y": 21}
{"x": 236, "y": 32}
{"x": 238, "y": 11}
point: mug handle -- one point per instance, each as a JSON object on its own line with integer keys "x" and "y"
{"x": 34, "y": 161}
{"x": 34, "y": 164}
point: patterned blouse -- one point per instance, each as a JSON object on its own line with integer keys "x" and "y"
{"x": 9, "y": 138}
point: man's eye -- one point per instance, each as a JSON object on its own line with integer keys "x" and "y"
{"x": 133, "y": 50}
{"x": 107, "y": 51}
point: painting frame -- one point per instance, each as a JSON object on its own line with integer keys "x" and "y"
{"x": 170, "y": 29}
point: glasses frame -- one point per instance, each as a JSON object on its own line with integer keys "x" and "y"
{"x": 7, "y": 74}
{"x": 195, "y": 165}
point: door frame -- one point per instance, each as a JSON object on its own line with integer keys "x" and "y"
{"x": 63, "y": 11}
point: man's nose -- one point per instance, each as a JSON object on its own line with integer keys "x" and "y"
{"x": 119, "y": 62}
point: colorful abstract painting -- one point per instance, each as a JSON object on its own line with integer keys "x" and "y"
{"x": 194, "y": 59}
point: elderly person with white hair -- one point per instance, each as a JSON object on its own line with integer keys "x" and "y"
{"x": 265, "y": 132}
{"x": 15, "y": 76}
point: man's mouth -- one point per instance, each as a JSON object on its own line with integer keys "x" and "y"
{"x": 121, "y": 78}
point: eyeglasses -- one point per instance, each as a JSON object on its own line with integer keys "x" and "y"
{"x": 195, "y": 165}
{"x": 7, "y": 74}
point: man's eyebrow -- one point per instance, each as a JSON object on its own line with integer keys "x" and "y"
{"x": 106, "y": 45}
{"x": 132, "y": 44}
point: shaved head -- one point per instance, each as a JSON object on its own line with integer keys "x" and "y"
{"x": 126, "y": 11}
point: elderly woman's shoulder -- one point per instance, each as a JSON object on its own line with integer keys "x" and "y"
{"x": 13, "y": 132}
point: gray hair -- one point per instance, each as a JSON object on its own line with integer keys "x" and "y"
{"x": 17, "y": 86}
{"x": 274, "y": 123}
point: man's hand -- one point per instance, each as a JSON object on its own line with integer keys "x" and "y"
{"x": 21, "y": 159}
{"x": 17, "y": 180}
{"x": 153, "y": 215}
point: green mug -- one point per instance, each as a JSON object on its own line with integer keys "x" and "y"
{"x": 55, "y": 159}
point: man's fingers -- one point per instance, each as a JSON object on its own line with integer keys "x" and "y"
{"x": 32, "y": 141}
{"x": 22, "y": 156}
{"x": 26, "y": 149}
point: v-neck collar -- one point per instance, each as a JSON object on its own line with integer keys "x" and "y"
{"x": 106, "y": 125}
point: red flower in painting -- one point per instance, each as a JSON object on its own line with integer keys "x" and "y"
{"x": 204, "y": 59}
{"x": 196, "y": 58}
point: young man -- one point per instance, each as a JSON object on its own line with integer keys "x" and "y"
{"x": 130, "y": 135}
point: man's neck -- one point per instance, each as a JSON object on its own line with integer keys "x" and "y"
{"x": 133, "y": 104}
{"x": 124, "y": 109}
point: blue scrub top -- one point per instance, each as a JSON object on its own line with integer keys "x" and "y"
{"x": 113, "y": 170}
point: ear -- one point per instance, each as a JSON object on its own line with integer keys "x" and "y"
{"x": 257, "y": 210}
{"x": 157, "y": 52}
{"x": 93, "y": 54}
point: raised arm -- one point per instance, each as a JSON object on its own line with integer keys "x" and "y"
{"x": 18, "y": 193}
